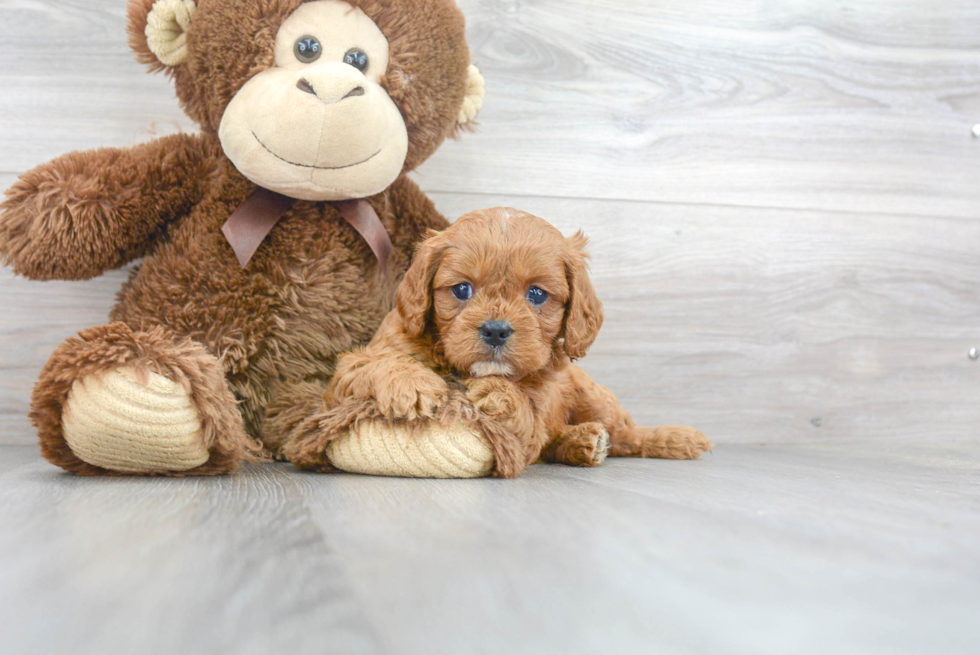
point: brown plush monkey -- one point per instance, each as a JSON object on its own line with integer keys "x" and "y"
{"x": 260, "y": 263}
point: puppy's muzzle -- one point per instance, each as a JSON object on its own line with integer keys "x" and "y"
{"x": 496, "y": 333}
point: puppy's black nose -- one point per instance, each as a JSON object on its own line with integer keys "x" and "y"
{"x": 495, "y": 333}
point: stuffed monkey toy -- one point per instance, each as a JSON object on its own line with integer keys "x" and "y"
{"x": 270, "y": 242}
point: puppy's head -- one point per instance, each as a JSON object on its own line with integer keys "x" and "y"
{"x": 501, "y": 292}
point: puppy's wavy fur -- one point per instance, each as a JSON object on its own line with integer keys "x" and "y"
{"x": 429, "y": 361}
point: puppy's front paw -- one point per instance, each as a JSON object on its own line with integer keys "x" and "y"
{"x": 586, "y": 444}
{"x": 503, "y": 402}
{"x": 496, "y": 397}
{"x": 418, "y": 395}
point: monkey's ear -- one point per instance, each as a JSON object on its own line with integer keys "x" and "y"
{"x": 415, "y": 292}
{"x": 158, "y": 31}
{"x": 476, "y": 88}
{"x": 583, "y": 313}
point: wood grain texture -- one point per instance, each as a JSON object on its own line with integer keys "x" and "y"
{"x": 839, "y": 548}
{"x": 70, "y": 82}
{"x": 752, "y": 324}
{"x": 674, "y": 134}
{"x": 818, "y": 105}
{"x": 808, "y": 104}
{"x": 143, "y": 567}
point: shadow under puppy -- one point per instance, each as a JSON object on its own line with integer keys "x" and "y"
{"x": 489, "y": 317}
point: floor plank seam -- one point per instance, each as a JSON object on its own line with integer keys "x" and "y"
{"x": 679, "y": 203}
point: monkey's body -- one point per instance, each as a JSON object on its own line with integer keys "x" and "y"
{"x": 318, "y": 100}
{"x": 312, "y": 291}
{"x": 272, "y": 330}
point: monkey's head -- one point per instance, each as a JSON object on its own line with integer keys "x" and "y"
{"x": 316, "y": 99}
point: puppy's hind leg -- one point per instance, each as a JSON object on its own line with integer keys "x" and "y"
{"x": 665, "y": 442}
{"x": 596, "y": 403}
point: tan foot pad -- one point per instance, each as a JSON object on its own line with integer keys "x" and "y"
{"x": 113, "y": 421}
{"x": 380, "y": 448}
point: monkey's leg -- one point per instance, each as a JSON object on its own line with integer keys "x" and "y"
{"x": 294, "y": 425}
{"x": 116, "y": 401}
{"x": 313, "y": 430}
{"x": 596, "y": 403}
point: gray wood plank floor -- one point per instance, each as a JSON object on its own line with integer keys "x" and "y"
{"x": 843, "y": 548}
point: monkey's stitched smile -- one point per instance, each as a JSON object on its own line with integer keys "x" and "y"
{"x": 319, "y": 168}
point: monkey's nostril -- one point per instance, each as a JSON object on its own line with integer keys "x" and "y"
{"x": 303, "y": 85}
{"x": 356, "y": 91}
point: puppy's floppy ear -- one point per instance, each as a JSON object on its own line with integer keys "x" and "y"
{"x": 583, "y": 312}
{"x": 415, "y": 291}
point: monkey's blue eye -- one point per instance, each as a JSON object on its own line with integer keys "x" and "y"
{"x": 357, "y": 59}
{"x": 537, "y": 296}
{"x": 463, "y": 291}
{"x": 307, "y": 49}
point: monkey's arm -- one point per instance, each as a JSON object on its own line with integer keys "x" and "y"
{"x": 86, "y": 212}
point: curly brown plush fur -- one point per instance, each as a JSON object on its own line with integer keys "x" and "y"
{"x": 432, "y": 361}
{"x": 312, "y": 290}
{"x": 110, "y": 346}
{"x": 231, "y": 40}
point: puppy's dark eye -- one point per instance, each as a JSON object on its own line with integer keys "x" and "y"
{"x": 356, "y": 58}
{"x": 537, "y": 296}
{"x": 307, "y": 49}
{"x": 463, "y": 291}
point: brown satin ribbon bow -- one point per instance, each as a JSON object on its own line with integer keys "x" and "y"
{"x": 251, "y": 223}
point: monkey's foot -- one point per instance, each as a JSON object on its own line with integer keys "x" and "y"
{"x": 115, "y": 401}
{"x": 354, "y": 436}
{"x": 116, "y": 421}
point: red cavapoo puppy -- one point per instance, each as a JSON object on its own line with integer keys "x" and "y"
{"x": 491, "y": 313}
